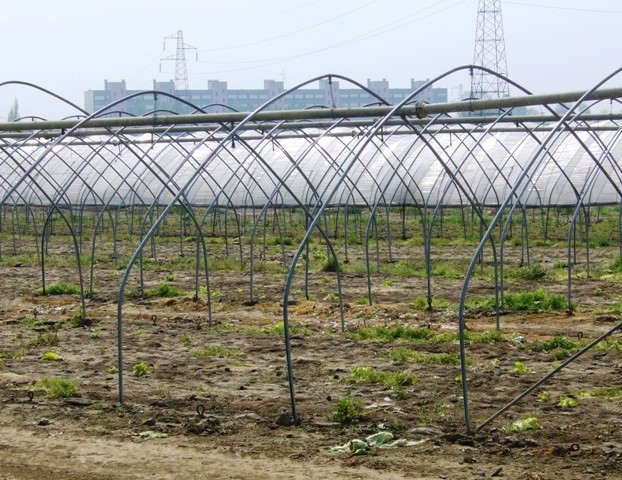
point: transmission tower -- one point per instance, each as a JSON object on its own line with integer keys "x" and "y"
{"x": 489, "y": 52}
{"x": 181, "y": 71}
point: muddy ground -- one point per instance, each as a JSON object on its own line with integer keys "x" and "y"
{"x": 194, "y": 415}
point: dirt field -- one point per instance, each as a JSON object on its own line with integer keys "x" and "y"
{"x": 222, "y": 413}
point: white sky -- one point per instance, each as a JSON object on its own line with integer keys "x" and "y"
{"x": 69, "y": 46}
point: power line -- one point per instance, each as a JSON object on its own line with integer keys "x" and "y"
{"x": 383, "y": 29}
{"x": 551, "y": 7}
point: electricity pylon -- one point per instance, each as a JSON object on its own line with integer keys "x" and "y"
{"x": 181, "y": 71}
{"x": 489, "y": 52}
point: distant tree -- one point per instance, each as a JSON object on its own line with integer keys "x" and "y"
{"x": 13, "y": 112}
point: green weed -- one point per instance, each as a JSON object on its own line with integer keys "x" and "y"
{"x": 163, "y": 290}
{"x": 607, "y": 392}
{"x": 532, "y": 272}
{"x": 390, "y": 380}
{"x": 58, "y": 289}
{"x": 218, "y": 351}
{"x": 47, "y": 339}
{"x": 405, "y": 355}
{"x": 57, "y": 387}
{"x": 347, "y": 410}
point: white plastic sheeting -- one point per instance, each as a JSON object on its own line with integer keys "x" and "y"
{"x": 444, "y": 168}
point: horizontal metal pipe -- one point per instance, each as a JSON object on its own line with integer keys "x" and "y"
{"x": 418, "y": 110}
{"x": 346, "y": 124}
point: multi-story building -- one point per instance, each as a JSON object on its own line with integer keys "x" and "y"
{"x": 218, "y": 97}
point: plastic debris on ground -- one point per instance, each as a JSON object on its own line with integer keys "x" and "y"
{"x": 377, "y": 440}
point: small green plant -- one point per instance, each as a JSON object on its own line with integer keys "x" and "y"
{"x": 57, "y": 387}
{"x": 59, "y": 289}
{"x": 331, "y": 265}
{"x": 185, "y": 339}
{"x": 218, "y": 351}
{"x": 51, "y": 357}
{"x": 78, "y": 321}
{"x": 140, "y": 369}
{"x": 523, "y": 425}
{"x": 566, "y": 402}
{"x": 112, "y": 370}
{"x": 558, "y": 341}
{"x": 544, "y": 397}
{"x": 347, "y": 410}
{"x": 96, "y": 336}
{"x": 520, "y": 368}
{"x": 170, "y": 277}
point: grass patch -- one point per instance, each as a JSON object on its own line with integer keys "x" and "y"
{"x": 389, "y": 380}
{"x": 59, "y": 289}
{"x": 488, "y": 336}
{"x": 47, "y": 339}
{"x": 163, "y": 290}
{"x": 560, "y": 347}
{"x": 406, "y": 355}
{"x": 218, "y": 351}
{"x": 535, "y": 300}
{"x": 57, "y": 387}
{"x": 393, "y": 334}
{"x": 532, "y": 272}
{"x": 607, "y": 392}
{"x": 279, "y": 329}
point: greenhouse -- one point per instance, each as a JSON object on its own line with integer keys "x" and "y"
{"x": 358, "y": 182}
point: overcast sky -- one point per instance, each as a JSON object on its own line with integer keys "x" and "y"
{"x": 69, "y": 46}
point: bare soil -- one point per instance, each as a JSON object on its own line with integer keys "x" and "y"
{"x": 227, "y": 417}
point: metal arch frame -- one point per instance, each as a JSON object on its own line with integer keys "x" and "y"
{"x": 373, "y": 131}
{"x": 536, "y": 158}
{"x": 181, "y": 191}
{"x": 526, "y": 178}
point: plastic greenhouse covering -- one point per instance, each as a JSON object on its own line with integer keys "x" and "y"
{"x": 399, "y": 169}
